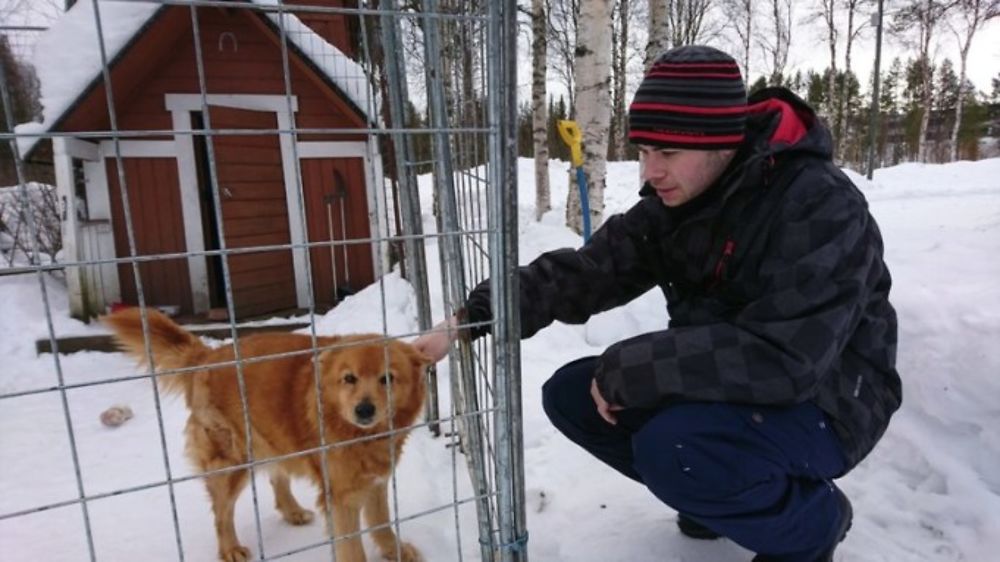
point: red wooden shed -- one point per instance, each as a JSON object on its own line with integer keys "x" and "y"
{"x": 270, "y": 179}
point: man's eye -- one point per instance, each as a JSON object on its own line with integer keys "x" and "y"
{"x": 349, "y": 378}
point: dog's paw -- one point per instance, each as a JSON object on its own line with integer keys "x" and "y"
{"x": 238, "y": 553}
{"x": 407, "y": 553}
{"x": 298, "y": 516}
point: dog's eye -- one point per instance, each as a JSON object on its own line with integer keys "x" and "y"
{"x": 388, "y": 378}
{"x": 349, "y": 378}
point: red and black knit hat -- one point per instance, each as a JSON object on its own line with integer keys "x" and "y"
{"x": 692, "y": 98}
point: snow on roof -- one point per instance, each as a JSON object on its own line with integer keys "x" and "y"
{"x": 342, "y": 70}
{"x": 67, "y": 57}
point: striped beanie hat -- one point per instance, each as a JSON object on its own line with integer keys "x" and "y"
{"x": 692, "y": 98}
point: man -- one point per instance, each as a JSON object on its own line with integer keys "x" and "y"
{"x": 777, "y": 373}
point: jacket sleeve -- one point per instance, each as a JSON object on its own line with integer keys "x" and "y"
{"x": 814, "y": 275}
{"x": 572, "y": 285}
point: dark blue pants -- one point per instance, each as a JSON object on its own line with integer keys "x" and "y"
{"x": 759, "y": 475}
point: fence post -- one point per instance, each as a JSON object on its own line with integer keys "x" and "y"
{"x": 453, "y": 278}
{"x": 409, "y": 200}
{"x": 504, "y": 287}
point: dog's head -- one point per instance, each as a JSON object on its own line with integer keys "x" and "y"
{"x": 371, "y": 381}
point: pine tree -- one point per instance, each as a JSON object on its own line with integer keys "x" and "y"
{"x": 796, "y": 83}
{"x": 23, "y": 91}
{"x": 889, "y": 104}
{"x": 889, "y": 91}
{"x": 759, "y": 84}
{"x": 816, "y": 88}
{"x": 947, "y": 87}
{"x": 915, "y": 109}
{"x": 557, "y": 112}
{"x": 914, "y": 75}
{"x": 973, "y": 127}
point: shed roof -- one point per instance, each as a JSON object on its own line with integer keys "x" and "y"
{"x": 68, "y": 58}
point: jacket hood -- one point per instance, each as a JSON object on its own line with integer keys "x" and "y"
{"x": 778, "y": 121}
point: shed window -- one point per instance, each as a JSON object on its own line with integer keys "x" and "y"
{"x": 80, "y": 190}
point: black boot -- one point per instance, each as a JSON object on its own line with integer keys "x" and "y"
{"x": 843, "y": 525}
{"x": 691, "y": 528}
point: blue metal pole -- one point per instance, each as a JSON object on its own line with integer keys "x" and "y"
{"x": 581, "y": 182}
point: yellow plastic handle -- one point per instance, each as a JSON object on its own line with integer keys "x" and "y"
{"x": 570, "y": 133}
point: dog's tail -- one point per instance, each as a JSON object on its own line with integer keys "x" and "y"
{"x": 172, "y": 347}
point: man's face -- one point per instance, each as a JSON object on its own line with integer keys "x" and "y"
{"x": 678, "y": 176}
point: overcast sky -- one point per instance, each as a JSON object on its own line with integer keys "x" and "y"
{"x": 808, "y": 49}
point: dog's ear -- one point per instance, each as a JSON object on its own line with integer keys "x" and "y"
{"x": 417, "y": 357}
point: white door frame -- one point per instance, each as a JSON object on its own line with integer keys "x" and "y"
{"x": 94, "y": 156}
{"x": 181, "y": 106}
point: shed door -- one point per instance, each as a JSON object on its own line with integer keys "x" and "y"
{"x": 155, "y": 209}
{"x": 254, "y": 211}
{"x": 337, "y": 209}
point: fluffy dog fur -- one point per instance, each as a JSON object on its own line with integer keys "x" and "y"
{"x": 281, "y": 396}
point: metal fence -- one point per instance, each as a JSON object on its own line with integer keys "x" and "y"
{"x": 143, "y": 120}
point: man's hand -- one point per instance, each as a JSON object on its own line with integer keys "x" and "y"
{"x": 436, "y": 343}
{"x": 603, "y": 406}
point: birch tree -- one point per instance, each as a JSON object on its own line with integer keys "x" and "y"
{"x": 850, "y": 8}
{"x": 619, "y": 64}
{"x": 826, "y": 12}
{"x": 776, "y": 43}
{"x": 686, "y": 21}
{"x": 921, "y": 17}
{"x": 740, "y": 15}
{"x": 563, "y": 21}
{"x": 971, "y": 16}
{"x": 593, "y": 106}
{"x": 658, "y": 32}
{"x": 539, "y": 110}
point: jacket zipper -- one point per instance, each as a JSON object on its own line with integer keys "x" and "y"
{"x": 720, "y": 267}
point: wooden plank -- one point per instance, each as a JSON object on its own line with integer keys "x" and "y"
{"x": 154, "y": 197}
{"x": 244, "y": 227}
{"x": 246, "y": 155}
{"x": 256, "y": 275}
{"x": 259, "y": 208}
{"x": 250, "y": 177}
{"x": 259, "y": 239}
{"x": 106, "y": 343}
{"x": 248, "y": 262}
{"x": 260, "y": 300}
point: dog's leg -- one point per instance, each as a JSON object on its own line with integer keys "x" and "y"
{"x": 212, "y": 446}
{"x": 285, "y": 501}
{"x": 347, "y": 521}
{"x": 224, "y": 489}
{"x": 376, "y": 511}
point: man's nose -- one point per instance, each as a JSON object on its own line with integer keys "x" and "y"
{"x": 652, "y": 168}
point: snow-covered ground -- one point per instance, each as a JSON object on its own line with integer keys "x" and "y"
{"x": 930, "y": 491}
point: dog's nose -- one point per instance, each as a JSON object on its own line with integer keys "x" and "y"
{"x": 364, "y": 410}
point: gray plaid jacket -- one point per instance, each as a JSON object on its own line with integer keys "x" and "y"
{"x": 774, "y": 279}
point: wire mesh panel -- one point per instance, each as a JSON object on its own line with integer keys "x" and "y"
{"x": 263, "y": 201}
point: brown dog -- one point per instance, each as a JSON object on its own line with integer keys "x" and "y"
{"x": 356, "y": 384}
